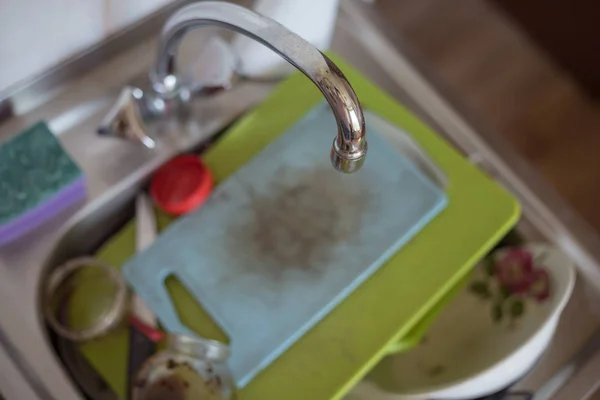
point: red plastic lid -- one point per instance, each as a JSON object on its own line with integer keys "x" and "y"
{"x": 181, "y": 185}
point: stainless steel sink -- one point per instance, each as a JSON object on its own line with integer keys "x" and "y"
{"x": 117, "y": 170}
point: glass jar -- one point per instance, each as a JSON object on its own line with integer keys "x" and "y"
{"x": 190, "y": 368}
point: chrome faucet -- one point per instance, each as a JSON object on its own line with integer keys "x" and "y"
{"x": 169, "y": 96}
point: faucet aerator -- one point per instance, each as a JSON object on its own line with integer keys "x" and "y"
{"x": 347, "y": 161}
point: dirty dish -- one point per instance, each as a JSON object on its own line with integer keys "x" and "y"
{"x": 107, "y": 314}
{"x": 490, "y": 335}
{"x": 291, "y": 237}
{"x": 190, "y": 368}
{"x": 352, "y": 337}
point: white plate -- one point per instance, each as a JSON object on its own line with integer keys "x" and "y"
{"x": 467, "y": 353}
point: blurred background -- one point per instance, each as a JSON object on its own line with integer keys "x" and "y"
{"x": 529, "y": 69}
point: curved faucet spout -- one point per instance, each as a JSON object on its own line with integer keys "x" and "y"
{"x": 349, "y": 147}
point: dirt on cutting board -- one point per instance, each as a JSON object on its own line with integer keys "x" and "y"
{"x": 297, "y": 223}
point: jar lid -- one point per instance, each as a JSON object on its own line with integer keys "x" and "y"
{"x": 100, "y": 320}
{"x": 199, "y": 347}
{"x": 181, "y": 185}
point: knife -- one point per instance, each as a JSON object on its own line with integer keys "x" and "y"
{"x": 143, "y": 327}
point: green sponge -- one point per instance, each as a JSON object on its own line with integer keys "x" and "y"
{"x": 38, "y": 179}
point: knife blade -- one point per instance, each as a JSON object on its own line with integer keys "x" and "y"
{"x": 143, "y": 327}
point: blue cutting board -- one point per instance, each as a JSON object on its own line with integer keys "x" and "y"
{"x": 285, "y": 239}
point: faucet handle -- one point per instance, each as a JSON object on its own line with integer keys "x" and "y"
{"x": 124, "y": 119}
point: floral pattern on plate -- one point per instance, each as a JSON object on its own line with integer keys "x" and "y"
{"x": 511, "y": 279}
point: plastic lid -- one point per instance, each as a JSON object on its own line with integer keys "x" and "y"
{"x": 181, "y": 185}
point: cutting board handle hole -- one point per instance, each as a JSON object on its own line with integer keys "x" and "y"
{"x": 183, "y": 299}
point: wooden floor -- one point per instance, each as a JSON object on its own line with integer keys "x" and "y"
{"x": 495, "y": 70}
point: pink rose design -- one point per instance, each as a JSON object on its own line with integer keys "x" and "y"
{"x": 540, "y": 285}
{"x": 514, "y": 269}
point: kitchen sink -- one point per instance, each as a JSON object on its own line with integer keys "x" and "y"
{"x": 116, "y": 170}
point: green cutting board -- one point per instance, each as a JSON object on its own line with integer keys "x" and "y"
{"x": 327, "y": 361}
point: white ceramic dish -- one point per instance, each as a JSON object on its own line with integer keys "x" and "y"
{"x": 473, "y": 349}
